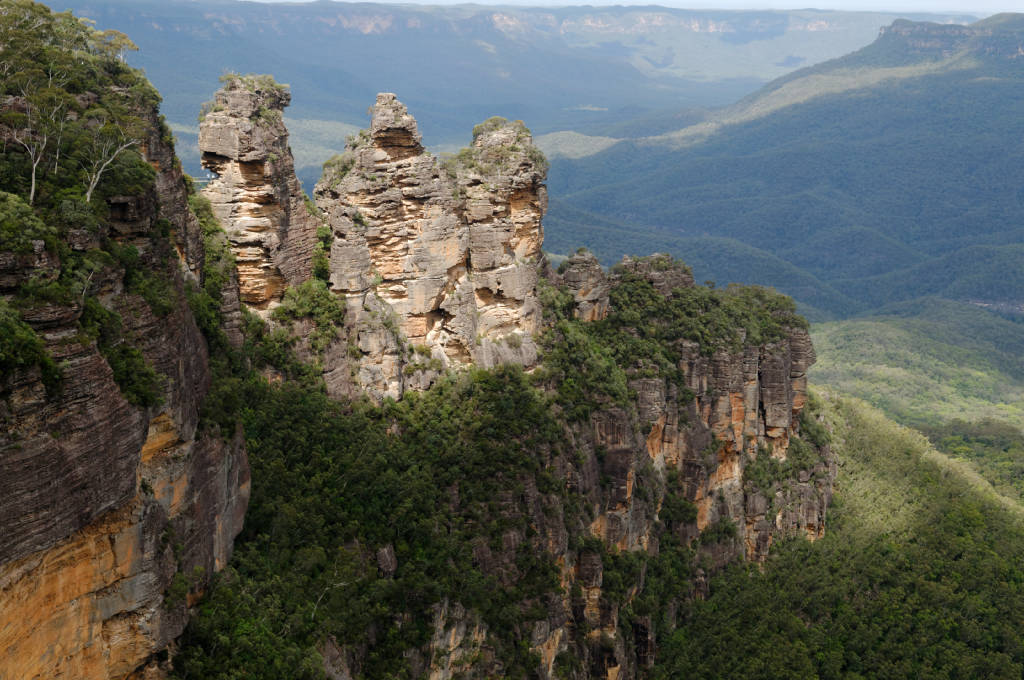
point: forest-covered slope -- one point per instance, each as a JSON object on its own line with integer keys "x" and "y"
{"x": 882, "y": 176}
{"x": 918, "y": 576}
{"x": 518, "y": 525}
{"x": 951, "y": 370}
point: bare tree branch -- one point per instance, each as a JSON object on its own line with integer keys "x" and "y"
{"x": 109, "y": 142}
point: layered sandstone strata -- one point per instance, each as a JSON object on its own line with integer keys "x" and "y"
{"x": 255, "y": 194}
{"x": 441, "y": 256}
{"x": 113, "y": 516}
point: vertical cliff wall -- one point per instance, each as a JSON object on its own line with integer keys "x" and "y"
{"x": 255, "y": 194}
{"x": 693, "y": 439}
{"x": 451, "y": 248}
{"x": 115, "y": 507}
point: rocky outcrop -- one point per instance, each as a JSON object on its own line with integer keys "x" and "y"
{"x": 115, "y": 515}
{"x": 441, "y": 256}
{"x": 255, "y": 195}
{"x": 693, "y": 438}
{"x": 584, "y": 277}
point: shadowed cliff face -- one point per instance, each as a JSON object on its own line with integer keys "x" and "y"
{"x": 114, "y": 513}
{"x": 255, "y": 195}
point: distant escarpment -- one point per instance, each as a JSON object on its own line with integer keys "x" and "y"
{"x": 116, "y": 507}
{"x": 999, "y": 36}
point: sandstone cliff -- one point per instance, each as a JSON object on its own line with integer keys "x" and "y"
{"x": 436, "y": 262}
{"x": 255, "y": 193}
{"x": 116, "y": 507}
{"x": 698, "y": 439}
{"x": 442, "y": 256}
{"x": 694, "y": 469}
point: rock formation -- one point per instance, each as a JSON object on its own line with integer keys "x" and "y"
{"x": 255, "y": 194}
{"x": 442, "y": 256}
{"x": 437, "y": 261}
{"x": 114, "y": 515}
{"x": 741, "y": 405}
{"x": 694, "y": 437}
{"x": 584, "y": 277}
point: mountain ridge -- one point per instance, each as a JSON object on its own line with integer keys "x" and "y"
{"x": 806, "y": 172}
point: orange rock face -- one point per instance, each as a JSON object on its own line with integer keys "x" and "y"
{"x": 103, "y": 502}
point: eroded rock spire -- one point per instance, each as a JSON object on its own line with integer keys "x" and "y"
{"x": 256, "y": 195}
{"x": 437, "y": 255}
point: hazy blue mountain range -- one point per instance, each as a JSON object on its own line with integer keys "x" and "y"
{"x": 574, "y": 68}
{"x": 891, "y": 173}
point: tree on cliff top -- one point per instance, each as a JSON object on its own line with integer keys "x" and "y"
{"x": 71, "y": 105}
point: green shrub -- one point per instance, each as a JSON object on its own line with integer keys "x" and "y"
{"x": 336, "y": 167}
{"x": 722, "y": 530}
{"x": 21, "y": 348}
{"x": 313, "y": 300}
{"x": 321, "y": 259}
{"x": 140, "y": 384}
{"x": 19, "y": 226}
{"x": 143, "y": 279}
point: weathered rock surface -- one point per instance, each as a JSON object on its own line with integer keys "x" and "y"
{"x": 256, "y": 196}
{"x": 441, "y": 256}
{"x": 583, "y": 275}
{"x": 701, "y": 435}
{"x": 104, "y": 504}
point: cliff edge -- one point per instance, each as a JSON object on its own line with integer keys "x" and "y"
{"x": 116, "y": 507}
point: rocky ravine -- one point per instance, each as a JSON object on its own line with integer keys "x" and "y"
{"x": 114, "y": 516}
